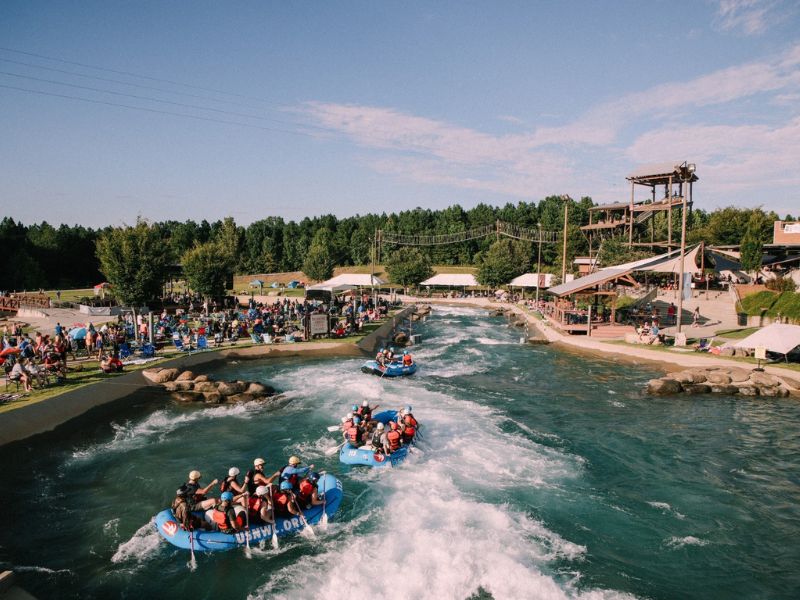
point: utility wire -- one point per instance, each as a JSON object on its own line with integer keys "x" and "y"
{"x": 130, "y": 74}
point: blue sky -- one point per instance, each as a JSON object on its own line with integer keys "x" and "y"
{"x": 292, "y": 109}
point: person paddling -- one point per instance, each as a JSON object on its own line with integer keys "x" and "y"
{"x": 224, "y": 515}
{"x": 378, "y": 439}
{"x": 197, "y": 495}
{"x": 230, "y": 483}
{"x": 408, "y": 360}
{"x": 285, "y": 501}
{"x": 392, "y": 442}
{"x": 365, "y": 412}
{"x": 256, "y": 477}
{"x": 181, "y": 509}
{"x": 260, "y": 506}
{"x": 355, "y": 434}
{"x": 293, "y": 472}
{"x": 308, "y": 495}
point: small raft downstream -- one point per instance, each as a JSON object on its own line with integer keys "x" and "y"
{"x": 390, "y": 370}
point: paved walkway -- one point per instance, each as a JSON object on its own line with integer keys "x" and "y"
{"x": 717, "y": 311}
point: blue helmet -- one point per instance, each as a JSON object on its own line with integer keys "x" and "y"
{"x": 356, "y": 420}
{"x": 408, "y": 408}
{"x": 226, "y": 496}
{"x": 354, "y": 407}
{"x": 313, "y": 476}
{"x": 286, "y": 485}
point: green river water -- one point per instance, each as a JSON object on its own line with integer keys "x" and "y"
{"x": 542, "y": 475}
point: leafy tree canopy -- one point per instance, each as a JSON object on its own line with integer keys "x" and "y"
{"x": 408, "y": 267}
{"x": 505, "y": 259}
{"x": 207, "y": 268}
{"x": 319, "y": 262}
{"x": 134, "y": 261}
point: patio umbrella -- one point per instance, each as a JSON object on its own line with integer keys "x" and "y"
{"x": 78, "y": 333}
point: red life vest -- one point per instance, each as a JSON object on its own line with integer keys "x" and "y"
{"x": 409, "y": 420}
{"x": 306, "y": 491}
{"x": 407, "y": 360}
{"x": 408, "y": 434}
{"x": 281, "y": 501}
{"x": 353, "y": 434}
{"x": 394, "y": 440}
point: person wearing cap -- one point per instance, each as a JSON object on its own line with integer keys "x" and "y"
{"x": 365, "y": 412}
{"x": 196, "y": 495}
{"x": 293, "y": 472}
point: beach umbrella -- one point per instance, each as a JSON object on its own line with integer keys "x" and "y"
{"x": 78, "y": 333}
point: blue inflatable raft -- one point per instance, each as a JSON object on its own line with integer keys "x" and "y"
{"x": 394, "y": 369}
{"x": 167, "y": 525}
{"x": 351, "y": 455}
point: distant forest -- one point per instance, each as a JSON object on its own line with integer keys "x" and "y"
{"x": 63, "y": 257}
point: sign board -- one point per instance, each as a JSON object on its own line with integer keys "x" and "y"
{"x": 791, "y": 228}
{"x": 318, "y": 324}
{"x": 760, "y": 352}
{"x": 680, "y": 339}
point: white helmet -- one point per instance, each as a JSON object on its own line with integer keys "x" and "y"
{"x": 380, "y": 426}
{"x": 233, "y": 472}
{"x": 261, "y": 490}
{"x": 365, "y": 403}
{"x": 345, "y": 419}
{"x": 194, "y": 475}
{"x": 258, "y": 461}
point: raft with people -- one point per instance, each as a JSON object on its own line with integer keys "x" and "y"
{"x": 395, "y": 369}
{"x": 385, "y": 443}
{"x": 201, "y": 539}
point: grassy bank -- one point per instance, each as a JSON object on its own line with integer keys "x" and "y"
{"x": 772, "y": 304}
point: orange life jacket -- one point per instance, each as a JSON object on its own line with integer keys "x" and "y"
{"x": 281, "y": 501}
{"x": 407, "y": 360}
{"x": 306, "y": 491}
{"x": 353, "y": 434}
{"x": 408, "y": 434}
{"x": 410, "y": 421}
{"x": 221, "y": 519}
{"x": 394, "y": 440}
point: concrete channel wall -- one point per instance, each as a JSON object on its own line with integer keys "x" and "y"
{"x": 383, "y": 334}
{"x": 46, "y": 415}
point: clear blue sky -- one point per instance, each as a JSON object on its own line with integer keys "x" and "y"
{"x": 348, "y": 107}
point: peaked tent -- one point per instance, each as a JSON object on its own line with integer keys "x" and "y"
{"x": 354, "y": 280}
{"x": 452, "y": 280}
{"x": 778, "y": 337}
{"x": 531, "y": 280}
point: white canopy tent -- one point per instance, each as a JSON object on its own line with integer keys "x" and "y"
{"x": 532, "y": 280}
{"x": 778, "y": 337}
{"x": 354, "y": 280}
{"x": 451, "y": 280}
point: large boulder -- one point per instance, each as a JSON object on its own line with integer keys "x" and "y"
{"x": 401, "y": 338}
{"x": 725, "y": 389}
{"x": 741, "y": 352}
{"x": 259, "y": 389}
{"x": 171, "y": 386}
{"x": 762, "y": 379}
{"x": 205, "y": 387}
{"x": 183, "y": 386}
{"x": 158, "y": 375}
{"x": 718, "y": 378}
{"x": 696, "y": 388}
{"x": 228, "y": 388}
{"x": 187, "y": 397}
{"x": 663, "y": 386}
{"x": 238, "y": 398}
{"x": 213, "y": 398}
{"x": 186, "y": 375}
{"x": 201, "y": 378}
{"x": 689, "y": 376}
{"x": 773, "y": 391}
{"x": 738, "y": 375}
{"x": 748, "y": 390}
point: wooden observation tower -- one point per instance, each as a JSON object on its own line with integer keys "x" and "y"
{"x": 666, "y": 186}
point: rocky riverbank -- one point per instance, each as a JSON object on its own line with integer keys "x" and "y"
{"x": 724, "y": 380}
{"x": 185, "y": 386}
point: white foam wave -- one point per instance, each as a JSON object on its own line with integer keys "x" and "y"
{"x": 142, "y": 545}
{"x": 689, "y": 540}
{"x": 129, "y": 435}
{"x": 37, "y": 569}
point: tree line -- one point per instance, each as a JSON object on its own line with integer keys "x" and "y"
{"x": 44, "y": 256}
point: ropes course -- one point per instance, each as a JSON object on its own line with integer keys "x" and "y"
{"x": 498, "y": 229}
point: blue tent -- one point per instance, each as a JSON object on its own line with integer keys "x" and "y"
{"x": 78, "y": 333}
{"x": 275, "y": 284}
{"x": 293, "y": 284}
